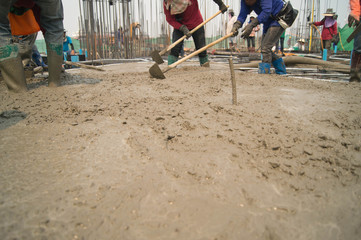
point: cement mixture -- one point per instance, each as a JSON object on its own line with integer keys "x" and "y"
{"x": 121, "y": 155}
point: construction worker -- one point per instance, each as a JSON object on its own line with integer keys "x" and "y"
{"x": 354, "y": 20}
{"x": 251, "y": 39}
{"x": 66, "y": 42}
{"x": 183, "y": 16}
{"x": 49, "y": 15}
{"x": 232, "y": 20}
{"x": 276, "y": 16}
{"x": 329, "y": 29}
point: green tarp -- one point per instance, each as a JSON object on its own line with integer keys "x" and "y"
{"x": 345, "y": 32}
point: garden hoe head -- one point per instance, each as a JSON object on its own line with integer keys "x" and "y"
{"x": 156, "y": 72}
{"x": 156, "y": 57}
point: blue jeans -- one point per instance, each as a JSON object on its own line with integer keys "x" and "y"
{"x": 51, "y": 19}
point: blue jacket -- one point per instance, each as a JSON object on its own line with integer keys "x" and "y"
{"x": 264, "y": 9}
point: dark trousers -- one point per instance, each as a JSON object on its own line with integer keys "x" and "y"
{"x": 280, "y": 42}
{"x": 251, "y": 42}
{"x": 327, "y": 44}
{"x": 268, "y": 41}
{"x": 198, "y": 38}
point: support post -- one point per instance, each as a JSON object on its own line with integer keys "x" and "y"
{"x": 233, "y": 79}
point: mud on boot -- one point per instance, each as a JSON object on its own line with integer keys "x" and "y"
{"x": 55, "y": 61}
{"x": 264, "y": 68}
{"x": 280, "y": 66}
{"x": 12, "y": 69}
{"x": 203, "y": 61}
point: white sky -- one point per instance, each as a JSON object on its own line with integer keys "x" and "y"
{"x": 71, "y": 11}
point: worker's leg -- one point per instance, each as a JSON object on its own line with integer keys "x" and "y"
{"x": 268, "y": 41}
{"x": 249, "y": 44}
{"x": 51, "y": 18}
{"x": 282, "y": 41}
{"x": 11, "y": 66}
{"x": 253, "y": 44}
{"x": 200, "y": 41}
{"x": 175, "y": 51}
{"x": 327, "y": 45}
{"x": 355, "y": 73}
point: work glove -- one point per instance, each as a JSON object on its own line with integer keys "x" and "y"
{"x": 185, "y": 31}
{"x": 221, "y": 5}
{"x": 248, "y": 29}
{"x": 72, "y": 52}
{"x": 235, "y": 28}
{"x": 311, "y": 23}
{"x": 352, "y": 20}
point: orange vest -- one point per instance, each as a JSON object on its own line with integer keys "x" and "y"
{"x": 355, "y": 8}
{"x": 23, "y": 24}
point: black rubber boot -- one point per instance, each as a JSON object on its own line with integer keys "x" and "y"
{"x": 355, "y": 73}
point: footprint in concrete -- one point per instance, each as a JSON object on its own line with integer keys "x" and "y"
{"x": 10, "y": 118}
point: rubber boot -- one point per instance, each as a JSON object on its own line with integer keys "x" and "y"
{"x": 203, "y": 61}
{"x": 12, "y": 69}
{"x": 172, "y": 59}
{"x": 355, "y": 72}
{"x": 280, "y": 66}
{"x": 55, "y": 61}
{"x": 264, "y": 68}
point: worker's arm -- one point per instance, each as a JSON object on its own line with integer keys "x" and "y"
{"x": 320, "y": 23}
{"x": 221, "y": 5}
{"x": 266, "y": 7}
{"x": 72, "y": 49}
{"x": 245, "y": 10}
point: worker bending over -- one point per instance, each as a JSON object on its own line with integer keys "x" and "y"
{"x": 276, "y": 16}
{"x": 183, "y": 16}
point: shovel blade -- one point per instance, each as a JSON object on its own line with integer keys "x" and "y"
{"x": 156, "y": 72}
{"x": 156, "y": 57}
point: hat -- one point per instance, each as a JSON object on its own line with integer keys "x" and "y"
{"x": 230, "y": 10}
{"x": 302, "y": 40}
{"x": 329, "y": 12}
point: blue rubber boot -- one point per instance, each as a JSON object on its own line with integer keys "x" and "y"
{"x": 280, "y": 66}
{"x": 264, "y": 68}
{"x": 172, "y": 59}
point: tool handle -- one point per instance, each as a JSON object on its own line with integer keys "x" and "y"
{"x": 353, "y": 34}
{"x": 192, "y": 31}
{"x": 199, "y": 51}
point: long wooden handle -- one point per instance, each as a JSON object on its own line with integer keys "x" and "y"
{"x": 199, "y": 51}
{"x": 192, "y": 31}
{"x": 353, "y": 34}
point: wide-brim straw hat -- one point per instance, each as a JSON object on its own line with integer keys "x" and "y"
{"x": 302, "y": 40}
{"x": 329, "y": 13}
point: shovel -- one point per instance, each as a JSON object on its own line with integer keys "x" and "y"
{"x": 156, "y": 72}
{"x": 156, "y": 56}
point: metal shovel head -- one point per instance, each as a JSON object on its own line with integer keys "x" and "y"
{"x": 156, "y": 57}
{"x": 156, "y": 72}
